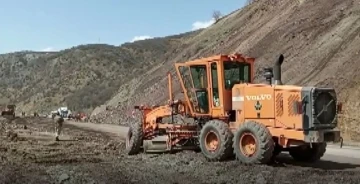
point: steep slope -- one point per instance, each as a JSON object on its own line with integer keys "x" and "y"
{"x": 318, "y": 38}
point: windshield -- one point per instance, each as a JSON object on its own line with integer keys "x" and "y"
{"x": 236, "y": 73}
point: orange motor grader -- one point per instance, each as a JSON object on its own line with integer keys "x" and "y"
{"x": 225, "y": 114}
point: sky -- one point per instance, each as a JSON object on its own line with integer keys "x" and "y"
{"x": 52, "y": 25}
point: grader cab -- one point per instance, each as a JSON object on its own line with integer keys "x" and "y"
{"x": 224, "y": 114}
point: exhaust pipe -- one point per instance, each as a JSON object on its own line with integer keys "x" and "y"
{"x": 268, "y": 74}
{"x": 277, "y": 70}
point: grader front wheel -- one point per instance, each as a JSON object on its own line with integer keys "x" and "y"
{"x": 253, "y": 144}
{"x": 216, "y": 140}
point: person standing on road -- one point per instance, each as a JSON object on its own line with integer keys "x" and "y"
{"x": 58, "y": 120}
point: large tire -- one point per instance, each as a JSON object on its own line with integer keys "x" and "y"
{"x": 308, "y": 154}
{"x": 134, "y": 137}
{"x": 220, "y": 130}
{"x": 257, "y": 135}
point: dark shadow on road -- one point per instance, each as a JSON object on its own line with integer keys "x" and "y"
{"x": 284, "y": 160}
{"x": 67, "y": 140}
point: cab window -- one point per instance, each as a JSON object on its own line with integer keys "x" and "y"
{"x": 236, "y": 73}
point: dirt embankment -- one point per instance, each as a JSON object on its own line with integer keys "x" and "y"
{"x": 87, "y": 156}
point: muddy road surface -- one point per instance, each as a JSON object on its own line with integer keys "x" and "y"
{"x": 93, "y": 153}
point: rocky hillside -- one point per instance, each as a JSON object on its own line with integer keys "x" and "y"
{"x": 318, "y": 38}
{"x": 82, "y": 77}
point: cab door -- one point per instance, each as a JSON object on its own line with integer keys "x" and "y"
{"x": 217, "y": 101}
{"x": 194, "y": 81}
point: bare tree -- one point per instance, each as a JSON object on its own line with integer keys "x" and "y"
{"x": 216, "y": 15}
{"x": 249, "y": 2}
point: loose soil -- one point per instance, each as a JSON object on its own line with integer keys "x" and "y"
{"x": 29, "y": 154}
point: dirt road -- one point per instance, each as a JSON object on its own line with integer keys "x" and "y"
{"x": 106, "y": 128}
{"x": 93, "y": 153}
{"x": 344, "y": 155}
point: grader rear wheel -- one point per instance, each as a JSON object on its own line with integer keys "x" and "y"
{"x": 248, "y": 144}
{"x": 216, "y": 140}
{"x": 253, "y": 144}
{"x": 211, "y": 141}
{"x": 134, "y": 137}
